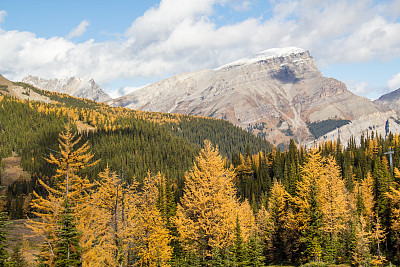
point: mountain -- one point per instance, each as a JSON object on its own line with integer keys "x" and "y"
{"x": 278, "y": 93}
{"x": 390, "y": 100}
{"x": 78, "y": 87}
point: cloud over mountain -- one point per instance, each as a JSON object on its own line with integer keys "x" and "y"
{"x": 167, "y": 40}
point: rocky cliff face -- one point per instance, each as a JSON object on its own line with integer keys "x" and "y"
{"x": 78, "y": 87}
{"x": 274, "y": 93}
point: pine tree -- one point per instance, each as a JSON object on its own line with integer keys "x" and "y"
{"x": 239, "y": 249}
{"x": 208, "y": 210}
{"x": 278, "y": 207}
{"x": 255, "y": 255}
{"x": 67, "y": 250}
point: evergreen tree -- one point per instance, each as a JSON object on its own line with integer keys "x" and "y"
{"x": 239, "y": 248}
{"x": 278, "y": 210}
{"x": 67, "y": 250}
{"x": 255, "y": 255}
{"x": 3, "y": 239}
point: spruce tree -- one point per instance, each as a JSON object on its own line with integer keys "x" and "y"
{"x": 239, "y": 248}
{"x": 67, "y": 250}
{"x": 255, "y": 255}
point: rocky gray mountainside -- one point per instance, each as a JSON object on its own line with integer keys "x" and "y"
{"x": 78, "y": 87}
{"x": 390, "y": 100}
{"x": 275, "y": 93}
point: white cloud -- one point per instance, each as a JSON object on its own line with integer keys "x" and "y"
{"x": 122, "y": 91}
{"x": 360, "y": 88}
{"x": 394, "y": 82}
{"x": 3, "y": 14}
{"x": 167, "y": 40}
{"x": 78, "y": 31}
{"x": 366, "y": 89}
{"x": 242, "y": 6}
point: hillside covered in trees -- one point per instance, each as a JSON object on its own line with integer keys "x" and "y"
{"x": 117, "y": 187}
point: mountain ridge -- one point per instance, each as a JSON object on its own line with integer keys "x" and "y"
{"x": 78, "y": 87}
{"x": 275, "y": 93}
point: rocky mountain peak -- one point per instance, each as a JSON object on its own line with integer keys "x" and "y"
{"x": 269, "y": 56}
{"x": 276, "y": 93}
{"x": 78, "y": 87}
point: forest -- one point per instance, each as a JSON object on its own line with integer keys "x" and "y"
{"x": 152, "y": 189}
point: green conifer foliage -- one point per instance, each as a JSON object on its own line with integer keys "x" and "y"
{"x": 67, "y": 251}
{"x": 3, "y": 239}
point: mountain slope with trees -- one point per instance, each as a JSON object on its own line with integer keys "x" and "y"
{"x": 113, "y": 186}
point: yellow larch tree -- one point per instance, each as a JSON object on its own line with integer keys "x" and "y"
{"x": 206, "y": 216}
{"x": 367, "y": 199}
{"x": 246, "y": 219}
{"x": 361, "y": 255}
{"x": 104, "y": 230}
{"x": 263, "y": 224}
{"x": 147, "y": 233}
{"x": 335, "y": 208}
{"x": 69, "y": 184}
{"x": 372, "y": 218}
{"x": 308, "y": 207}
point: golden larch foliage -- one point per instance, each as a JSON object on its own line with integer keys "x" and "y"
{"x": 206, "y": 216}
{"x": 333, "y": 198}
{"x": 69, "y": 185}
{"x": 147, "y": 232}
{"x": 104, "y": 231}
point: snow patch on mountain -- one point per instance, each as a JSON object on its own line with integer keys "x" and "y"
{"x": 264, "y": 55}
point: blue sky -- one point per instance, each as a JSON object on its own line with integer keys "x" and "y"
{"x": 126, "y": 44}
